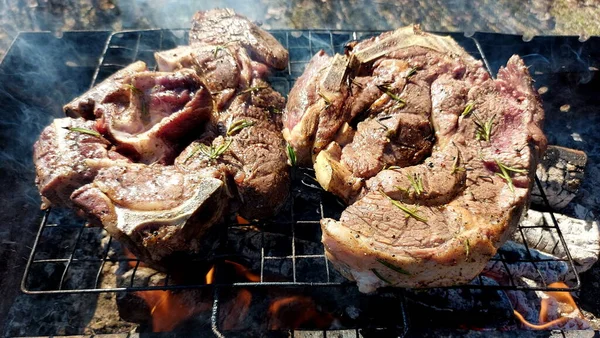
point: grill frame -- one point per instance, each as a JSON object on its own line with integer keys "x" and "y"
{"x": 119, "y": 52}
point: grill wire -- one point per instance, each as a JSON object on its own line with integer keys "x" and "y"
{"x": 289, "y": 243}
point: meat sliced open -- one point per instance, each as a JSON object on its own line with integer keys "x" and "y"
{"x": 153, "y": 112}
{"x": 224, "y": 27}
{"x": 67, "y": 155}
{"x": 423, "y": 222}
{"x": 159, "y": 212}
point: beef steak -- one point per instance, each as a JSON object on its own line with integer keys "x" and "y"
{"x": 413, "y": 220}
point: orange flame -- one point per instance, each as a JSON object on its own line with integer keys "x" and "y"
{"x": 567, "y": 305}
{"x": 169, "y": 309}
{"x": 296, "y": 311}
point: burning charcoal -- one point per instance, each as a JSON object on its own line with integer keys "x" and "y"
{"x": 560, "y": 172}
{"x": 546, "y": 269}
{"x": 475, "y": 308}
{"x": 582, "y": 237}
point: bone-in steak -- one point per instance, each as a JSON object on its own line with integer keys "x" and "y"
{"x": 155, "y": 210}
{"x": 67, "y": 155}
{"x": 415, "y": 221}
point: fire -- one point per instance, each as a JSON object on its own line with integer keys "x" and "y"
{"x": 295, "y": 312}
{"x": 169, "y": 309}
{"x": 566, "y": 312}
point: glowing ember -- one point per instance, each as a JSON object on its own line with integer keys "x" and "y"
{"x": 558, "y": 310}
{"x": 297, "y": 312}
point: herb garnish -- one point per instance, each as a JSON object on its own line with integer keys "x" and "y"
{"x": 393, "y": 267}
{"x": 291, "y": 155}
{"x": 387, "y": 90}
{"x": 506, "y": 174}
{"x": 239, "y": 125}
{"x": 252, "y": 89}
{"x": 380, "y": 276}
{"x": 325, "y": 98}
{"x": 455, "y": 165}
{"x": 484, "y": 130}
{"x": 468, "y": 109}
{"x": 416, "y": 182}
{"x": 83, "y": 131}
{"x": 219, "y": 48}
{"x": 211, "y": 151}
{"x": 467, "y": 249}
{"x": 412, "y": 72}
{"x": 409, "y": 212}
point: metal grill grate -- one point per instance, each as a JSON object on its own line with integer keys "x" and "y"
{"x": 288, "y": 244}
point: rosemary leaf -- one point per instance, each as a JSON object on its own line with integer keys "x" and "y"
{"x": 83, "y": 131}
{"x": 217, "y": 49}
{"x": 253, "y": 89}
{"x": 467, "y": 249}
{"x": 388, "y": 91}
{"x": 393, "y": 267}
{"x": 409, "y": 212}
{"x": 291, "y": 155}
{"x": 211, "y": 151}
{"x": 455, "y": 165}
{"x": 239, "y": 125}
{"x": 506, "y": 174}
{"x": 145, "y": 115}
{"x": 412, "y": 72}
{"x": 484, "y": 130}
{"x": 325, "y": 98}
{"x": 380, "y": 276}
{"x": 468, "y": 109}
{"x": 416, "y": 182}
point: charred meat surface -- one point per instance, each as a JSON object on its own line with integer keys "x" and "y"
{"x": 156, "y": 210}
{"x": 435, "y": 159}
{"x": 67, "y": 155}
{"x": 224, "y": 27}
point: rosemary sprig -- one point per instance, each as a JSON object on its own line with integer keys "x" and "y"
{"x": 388, "y": 91}
{"x": 416, "y": 182}
{"x": 252, "y": 89}
{"x": 467, "y": 249}
{"x": 393, "y": 267}
{"x": 211, "y": 151}
{"x": 409, "y": 212}
{"x": 412, "y": 72}
{"x": 325, "y": 98}
{"x": 219, "y": 48}
{"x": 291, "y": 155}
{"x": 455, "y": 165}
{"x": 468, "y": 109}
{"x": 506, "y": 174}
{"x": 380, "y": 276}
{"x": 83, "y": 131}
{"x": 484, "y": 130}
{"x": 239, "y": 125}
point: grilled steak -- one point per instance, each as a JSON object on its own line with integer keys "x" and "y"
{"x": 213, "y": 91}
{"x": 254, "y": 160}
{"x": 67, "y": 155}
{"x": 225, "y": 27}
{"x": 415, "y": 223}
{"x": 156, "y": 211}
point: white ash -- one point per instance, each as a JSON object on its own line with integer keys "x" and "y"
{"x": 581, "y": 236}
